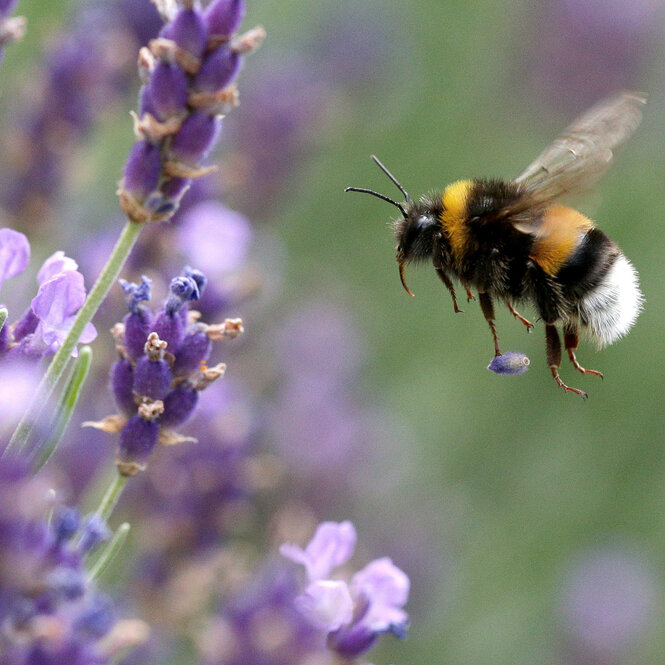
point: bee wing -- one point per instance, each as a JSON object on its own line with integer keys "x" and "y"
{"x": 581, "y": 154}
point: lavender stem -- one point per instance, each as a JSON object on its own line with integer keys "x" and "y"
{"x": 111, "y": 497}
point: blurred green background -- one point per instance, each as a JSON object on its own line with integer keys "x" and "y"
{"x": 525, "y": 487}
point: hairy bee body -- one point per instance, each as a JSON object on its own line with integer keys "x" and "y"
{"x": 571, "y": 271}
{"x": 512, "y": 240}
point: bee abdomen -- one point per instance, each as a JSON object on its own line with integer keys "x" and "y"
{"x": 609, "y": 310}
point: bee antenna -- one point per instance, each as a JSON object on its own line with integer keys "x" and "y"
{"x": 392, "y": 177}
{"x": 362, "y": 190}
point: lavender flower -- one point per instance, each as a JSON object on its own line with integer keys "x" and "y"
{"x": 50, "y": 610}
{"x": 188, "y": 74}
{"x": 45, "y": 324}
{"x": 352, "y": 615}
{"x": 162, "y": 368}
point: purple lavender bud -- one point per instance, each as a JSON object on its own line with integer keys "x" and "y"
{"x": 25, "y": 326}
{"x": 65, "y": 523}
{"x": 352, "y": 641}
{"x": 136, "y": 293}
{"x": 137, "y": 328}
{"x": 168, "y": 90}
{"x": 219, "y": 68}
{"x": 174, "y": 188}
{"x": 98, "y": 618}
{"x": 196, "y": 137}
{"x": 122, "y": 381}
{"x": 179, "y": 406}
{"x": 93, "y": 532}
{"x": 139, "y": 320}
{"x": 137, "y": 439}
{"x": 198, "y": 276}
{"x": 152, "y": 378}
{"x": 224, "y": 16}
{"x": 194, "y": 349}
{"x": 188, "y": 30}
{"x": 66, "y": 582}
{"x": 183, "y": 289}
{"x": 146, "y": 104}
{"x": 509, "y": 363}
{"x": 142, "y": 169}
{"x": 170, "y": 327}
{"x": 171, "y": 321}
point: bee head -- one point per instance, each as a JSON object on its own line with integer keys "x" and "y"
{"x": 414, "y": 231}
{"x": 414, "y": 236}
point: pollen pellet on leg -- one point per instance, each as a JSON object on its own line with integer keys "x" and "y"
{"x": 511, "y": 362}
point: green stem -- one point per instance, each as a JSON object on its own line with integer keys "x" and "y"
{"x": 110, "y": 551}
{"x": 60, "y": 360}
{"x": 111, "y": 497}
{"x": 65, "y": 409}
{"x": 3, "y": 317}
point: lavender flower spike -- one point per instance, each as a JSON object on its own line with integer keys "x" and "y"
{"x": 161, "y": 369}
{"x": 188, "y": 74}
{"x": 353, "y": 615}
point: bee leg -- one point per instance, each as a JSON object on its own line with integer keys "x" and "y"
{"x": 469, "y": 295}
{"x": 553, "y": 344}
{"x": 449, "y": 285}
{"x": 488, "y": 310}
{"x": 571, "y": 340}
{"x": 517, "y": 315}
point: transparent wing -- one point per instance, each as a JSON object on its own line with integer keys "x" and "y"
{"x": 582, "y": 153}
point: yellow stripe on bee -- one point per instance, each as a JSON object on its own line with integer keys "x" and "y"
{"x": 558, "y": 236}
{"x": 454, "y": 218}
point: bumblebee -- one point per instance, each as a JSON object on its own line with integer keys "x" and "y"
{"x": 513, "y": 241}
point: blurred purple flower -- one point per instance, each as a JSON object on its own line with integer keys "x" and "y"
{"x": 11, "y": 28}
{"x": 607, "y": 603}
{"x": 14, "y": 254}
{"x": 86, "y": 71}
{"x": 260, "y": 625}
{"x": 49, "y": 608}
{"x": 20, "y": 378}
{"x": 332, "y": 545}
{"x": 218, "y": 237}
{"x": 580, "y": 50}
{"x": 353, "y": 616}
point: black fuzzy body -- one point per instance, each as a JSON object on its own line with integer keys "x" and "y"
{"x": 498, "y": 258}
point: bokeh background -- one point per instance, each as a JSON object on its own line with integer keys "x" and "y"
{"x": 532, "y": 523}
